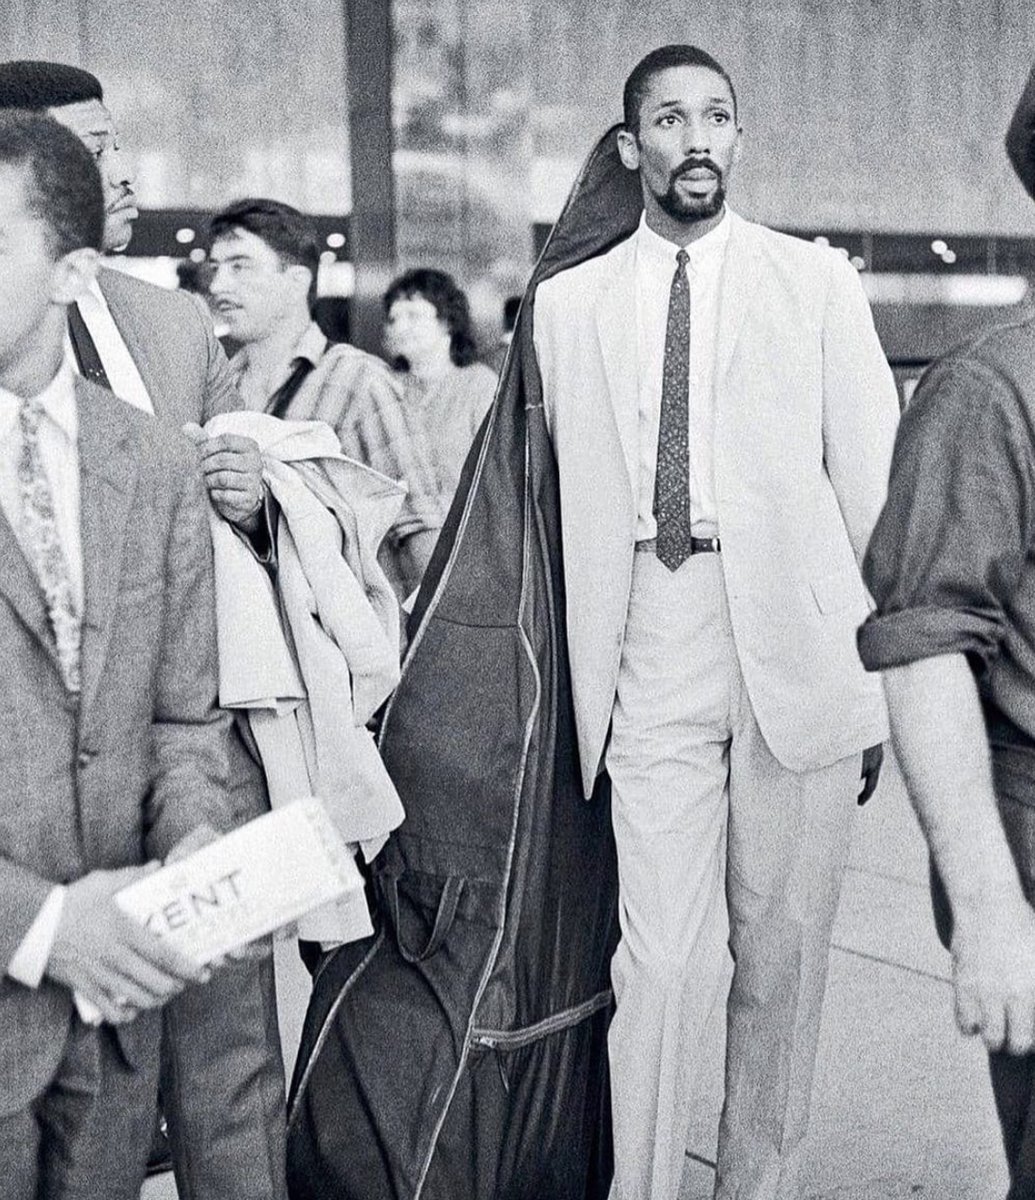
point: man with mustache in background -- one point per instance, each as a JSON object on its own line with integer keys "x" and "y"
{"x": 723, "y": 419}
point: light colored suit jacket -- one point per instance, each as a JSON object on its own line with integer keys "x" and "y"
{"x": 173, "y": 343}
{"x": 141, "y": 760}
{"x": 806, "y": 411}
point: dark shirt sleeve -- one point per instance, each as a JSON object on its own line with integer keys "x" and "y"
{"x": 951, "y": 542}
{"x": 1020, "y": 137}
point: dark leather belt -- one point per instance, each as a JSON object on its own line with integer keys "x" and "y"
{"x": 698, "y": 545}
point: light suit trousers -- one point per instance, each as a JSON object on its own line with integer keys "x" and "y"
{"x": 718, "y": 845}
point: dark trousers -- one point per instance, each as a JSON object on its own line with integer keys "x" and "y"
{"x": 88, "y": 1134}
{"x": 223, "y": 1087}
{"x": 1013, "y": 1075}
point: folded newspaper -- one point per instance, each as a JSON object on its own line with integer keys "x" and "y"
{"x": 261, "y": 876}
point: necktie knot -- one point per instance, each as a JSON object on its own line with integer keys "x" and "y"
{"x": 682, "y": 258}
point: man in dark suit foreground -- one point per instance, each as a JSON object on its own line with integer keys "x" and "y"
{"x": 112, "y": 744}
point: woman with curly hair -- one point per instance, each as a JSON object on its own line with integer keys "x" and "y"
{"x": 446, "y": 392}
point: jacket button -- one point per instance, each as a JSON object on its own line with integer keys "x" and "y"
{"x": 85, "y": 757}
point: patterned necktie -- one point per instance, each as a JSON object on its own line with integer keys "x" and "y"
{"x": 40, "y": 536}
{"x": 672, "y": 481}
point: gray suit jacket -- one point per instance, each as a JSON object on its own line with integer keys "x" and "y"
{"x": 141, "y": 760}
{"x": 172, "y": 341}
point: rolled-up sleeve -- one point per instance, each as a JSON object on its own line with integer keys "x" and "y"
{"x": 950, "y": 544}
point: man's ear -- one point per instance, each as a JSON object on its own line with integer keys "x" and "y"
{"x": 629, "y": 149}
{"x": 73, "y": 274}
{"x": 302, "y": 275}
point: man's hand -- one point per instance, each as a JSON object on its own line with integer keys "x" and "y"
{"x": 199, "y": 836}
{"x": 232, "y": 467}
{"x": 993, "y": 956}
{"x": 111, "y": 959}
{"x": 873, "y": 757}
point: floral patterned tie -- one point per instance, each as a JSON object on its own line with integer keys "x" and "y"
{"x": 672, "y": 481}
{"x": 40, "y": 537}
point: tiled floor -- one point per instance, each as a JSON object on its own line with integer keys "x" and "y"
{"x": 902, "y": 1106}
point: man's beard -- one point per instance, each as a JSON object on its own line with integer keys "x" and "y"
{"x": 692, "y": 208}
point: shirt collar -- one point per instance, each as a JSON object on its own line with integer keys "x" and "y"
{"x": 57, "y": 400}
{"x": 93, "y": 296}
{"x": 310, "y": 346}
{"x": 701, "y": 251}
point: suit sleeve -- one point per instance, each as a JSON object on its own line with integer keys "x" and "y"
{"x": 221, "y": 393}
{"x": 1020, "y": 137}
{"x": 190, "y": 731}
{"x": 860, "y": 405}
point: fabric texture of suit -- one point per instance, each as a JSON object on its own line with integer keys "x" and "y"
{"x": 173, "y": 343}
{"x": 223, "y": 1081}
{"x": 801, "y": 453}
{"x": 141, "y": 760}
{"x": 733, "y": 752}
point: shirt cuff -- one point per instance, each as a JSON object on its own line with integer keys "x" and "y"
{"x": 29, "y": 961}
{"x": 897, "y": 638}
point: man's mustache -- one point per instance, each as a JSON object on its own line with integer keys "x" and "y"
{"x": 696, "y": 164}
{"x": 125, "y": 194}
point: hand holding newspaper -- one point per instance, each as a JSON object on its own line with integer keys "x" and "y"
{"x": 254, "y": 880}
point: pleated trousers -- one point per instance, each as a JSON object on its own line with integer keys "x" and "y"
{"x": 720, "y": 849}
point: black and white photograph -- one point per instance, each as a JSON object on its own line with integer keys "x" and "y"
{"x": 517, "y": 600}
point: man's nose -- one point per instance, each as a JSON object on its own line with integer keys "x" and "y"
{"x": 696, "y": 136}
{"x": 217, "y": 280}
{"x": 119, "y": 174}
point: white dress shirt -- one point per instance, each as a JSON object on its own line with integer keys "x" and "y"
{"x": 59, "y": 454}
{"x": 125, "y": 379}
{"x": 655, "y": 266}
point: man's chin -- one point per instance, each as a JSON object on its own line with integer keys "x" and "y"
{"x": 692, "y": 208}
{"x": 118, "y": 233}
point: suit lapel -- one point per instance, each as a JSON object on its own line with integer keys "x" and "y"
{"x": 737, "y": 287}
{"x": 19, "y": 584}
{"x": 135, "y": 333}
{"x": 107, "y": 475}
{"x": 616, "y": 331}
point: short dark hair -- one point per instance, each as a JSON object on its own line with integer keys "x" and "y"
{"x": 440, "y": 290}
{"x": 32, "y": 84}
{"x": 63, "y": 186}
{"x": 659, "y": 60}
{"x": 288, "y": 232}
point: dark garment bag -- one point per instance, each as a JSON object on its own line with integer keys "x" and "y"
{"x": 460, "y": 1054}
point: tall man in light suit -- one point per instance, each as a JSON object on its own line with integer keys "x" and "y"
{"x": 723, "y": 419}
{"x": 222, "y": 1076}
{"x": 112, "y": 746}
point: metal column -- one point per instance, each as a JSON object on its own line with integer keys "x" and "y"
{"x": 368, "y": 50}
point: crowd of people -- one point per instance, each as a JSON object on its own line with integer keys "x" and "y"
{"x": 759, "y": 563}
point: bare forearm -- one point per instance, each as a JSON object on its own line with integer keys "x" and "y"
{"x": 939, "y": 737}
